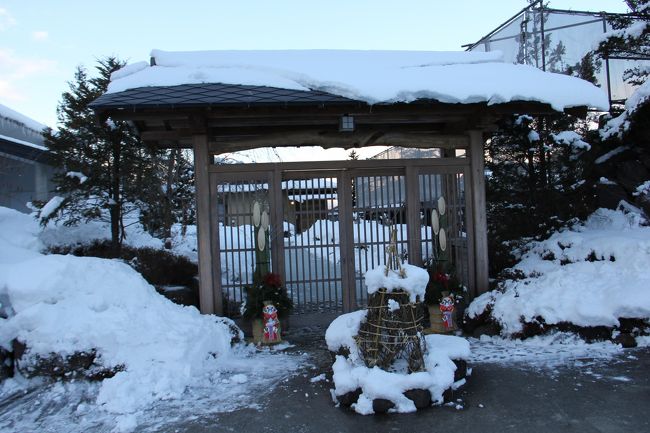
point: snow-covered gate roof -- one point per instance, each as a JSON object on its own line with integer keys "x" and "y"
{"x": 417, "y": 92}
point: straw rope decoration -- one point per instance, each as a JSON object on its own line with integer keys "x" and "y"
{"x": 391, "y": 337}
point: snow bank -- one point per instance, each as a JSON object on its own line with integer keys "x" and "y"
{"x": 18, "y": 236}
{"x": 67, "y": 304}
{"x": 590, "y": 275}
{"x": 351, "y": 374}
{"x": 414, "y": 282}
{"x": 370, "y": 76}
{"x": 618, "y": 125}
{"x": 74, "y": 304}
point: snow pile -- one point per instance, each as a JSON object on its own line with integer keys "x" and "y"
{"x": 557, "y": 349}
{"x": 18, "y": 237}
{"x": 57, "y": 234}
{"x": 414, "y": 281}
{"x": 618, "y": 125}
{"x": 161, "y": 351}
{"x": 350, "y": 373}
{"x": 590, "y": 275}
{"x": 370, "y": 76}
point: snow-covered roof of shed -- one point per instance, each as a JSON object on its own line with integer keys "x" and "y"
{"x": 369, "y": 76}
{"x": 17, "y": 117}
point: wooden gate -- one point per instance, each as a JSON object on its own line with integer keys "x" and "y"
{"x": 330, "y": 222}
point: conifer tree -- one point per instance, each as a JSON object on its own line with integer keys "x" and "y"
{"x": 103, "y": 168}
{"x": 630, "y": 39}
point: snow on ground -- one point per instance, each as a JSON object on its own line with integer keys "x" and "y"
{"x": 543, "y": 351}
{"x": 58, "y": 234}
{"x": 172, "y": 357}
{"x": 590, "y": 275}
{"x": 371, "y": 76}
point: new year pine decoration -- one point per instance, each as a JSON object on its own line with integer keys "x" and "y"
{"x": 391, "y": 336}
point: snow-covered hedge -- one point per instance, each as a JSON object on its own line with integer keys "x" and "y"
{"x": 591, "y": 275}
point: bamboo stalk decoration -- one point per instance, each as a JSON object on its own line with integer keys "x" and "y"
{"x": 261, "y": 240}
{"x": 392, "y": 257}
{"x": 443, "y": 254}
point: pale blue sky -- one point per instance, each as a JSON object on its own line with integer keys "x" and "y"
{"x": 41, "y": 42}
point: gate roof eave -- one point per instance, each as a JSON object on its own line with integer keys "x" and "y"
{"x": 237, "y": 117}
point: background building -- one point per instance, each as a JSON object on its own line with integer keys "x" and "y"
{"x": 558, "y": 40}
{"x": 24, "y": 173}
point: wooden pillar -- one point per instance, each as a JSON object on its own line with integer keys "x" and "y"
{"x": 209, "y": 299}
{"x": 414, "y": 231}
{"x": 477, "y": 185}
{"x": 346, "y": 236}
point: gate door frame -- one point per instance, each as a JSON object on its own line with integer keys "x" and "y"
{"x": 345, "y": 172}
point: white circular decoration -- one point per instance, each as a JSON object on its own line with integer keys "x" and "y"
{"x": 265, "y": 221}
{"x": 442, "y": 206}
{"x": 256, "y": 214}
{"x": 261, "y": 239}
{"x": 442, "y": 237}
{"x": 435, "y": 221}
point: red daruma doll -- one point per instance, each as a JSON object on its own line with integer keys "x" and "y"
{"x": 271, "y": 325}
{"x": 447, "y": 309}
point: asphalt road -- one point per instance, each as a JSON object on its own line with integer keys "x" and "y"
{"x": 605, "y": 397}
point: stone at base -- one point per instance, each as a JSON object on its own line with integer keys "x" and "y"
{"x": 626, "y": 340}
{"x": 461, "y": 369}
{"x": 6, "y": 364}
{"x": 349, "y": 398}
{"x": 420, "y": 397}
{"x": 381, "y": 405}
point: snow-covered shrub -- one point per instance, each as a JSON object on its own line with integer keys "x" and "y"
{"x": 592, "y": 275}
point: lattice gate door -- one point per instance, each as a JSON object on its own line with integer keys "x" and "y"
{"x": 328, "y": 226}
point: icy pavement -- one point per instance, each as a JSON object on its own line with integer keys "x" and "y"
{"x": 542, "y": 352}
{"x": 240, "y": 382}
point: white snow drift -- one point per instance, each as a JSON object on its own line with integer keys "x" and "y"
{"x": 370, "y": 76}
{"x": 590, "y": 275}
{"x": 66, "y": 304}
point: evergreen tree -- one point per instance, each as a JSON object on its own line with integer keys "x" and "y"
{"x": 103, "y": 169}
{"x": 630, "y": 40}
{"x": 535, "y": 181}
{"x": 173, "y": 198}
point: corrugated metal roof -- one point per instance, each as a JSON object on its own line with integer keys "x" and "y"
{"x": 206, "y": 94}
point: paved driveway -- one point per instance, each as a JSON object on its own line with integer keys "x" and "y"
{"x": 580, "y": 395}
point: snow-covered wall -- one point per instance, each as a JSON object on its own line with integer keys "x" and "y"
{"x": 370, "y": 76}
